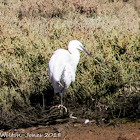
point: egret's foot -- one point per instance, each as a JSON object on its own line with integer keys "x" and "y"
{"x": 62, "y": 106}
{"x": 60, "y": 85}
{"x": 72, "y": 117}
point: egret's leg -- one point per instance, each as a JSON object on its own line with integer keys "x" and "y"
{"x": 61, "y": 94}
{"x": 61, "y": 105}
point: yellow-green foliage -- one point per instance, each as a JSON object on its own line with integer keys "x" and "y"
{"x": 31, "y": 30}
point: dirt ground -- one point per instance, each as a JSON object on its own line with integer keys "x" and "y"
{"x": 74, "y": 131}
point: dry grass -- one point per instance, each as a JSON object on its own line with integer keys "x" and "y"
{"x": 30, "y": 30}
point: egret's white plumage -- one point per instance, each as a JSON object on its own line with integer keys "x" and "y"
{"x": 62, "y": 66}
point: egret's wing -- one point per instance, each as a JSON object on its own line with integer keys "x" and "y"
{"x": 51, "y": 65}
{"x": 68, "y": 75}
{"x": 56, "y": 67}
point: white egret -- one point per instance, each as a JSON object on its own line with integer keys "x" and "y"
{"x": 62, "y": 67}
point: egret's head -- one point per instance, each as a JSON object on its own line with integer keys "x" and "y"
{"x": 75, "y": 44}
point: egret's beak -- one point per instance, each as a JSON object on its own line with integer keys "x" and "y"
{"x": 83, "y": 49}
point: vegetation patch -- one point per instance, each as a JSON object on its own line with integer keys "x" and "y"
{"x": 106, "y": 86}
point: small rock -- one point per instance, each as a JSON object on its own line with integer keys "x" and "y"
{"x": 87, "y": 121}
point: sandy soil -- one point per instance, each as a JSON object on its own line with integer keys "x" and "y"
{"x": 74, "y": 131}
